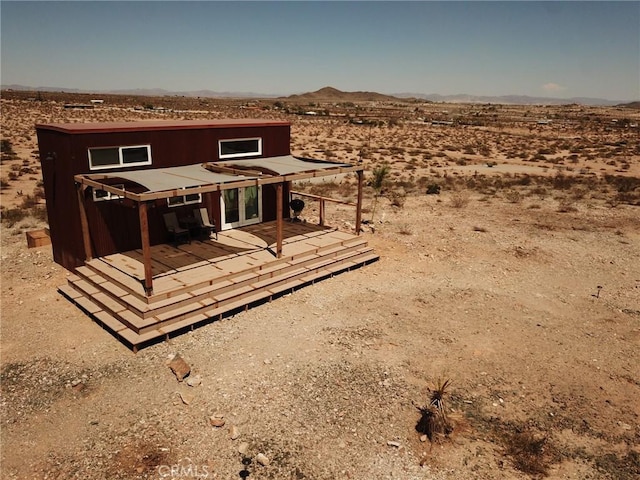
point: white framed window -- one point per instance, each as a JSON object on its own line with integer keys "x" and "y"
{"x": 239, "y": 147}
{"x": 113, "y": 157}
{"x": 102, "y": 195}
{"x": 184, "y": 199}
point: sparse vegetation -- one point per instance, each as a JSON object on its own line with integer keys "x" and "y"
{"x": 451, "y": 282}
{"x": 460, "y": 199}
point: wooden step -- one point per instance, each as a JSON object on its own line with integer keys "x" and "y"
{"x": 122, "y": 296}
{"x": 118, "y": 278}
{"x": 252, "y": 280}
{"x": 265, "y": 289}
{"x": 193, "y": 296}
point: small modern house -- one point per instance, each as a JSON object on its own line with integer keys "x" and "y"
{"x": 168, "y": 224}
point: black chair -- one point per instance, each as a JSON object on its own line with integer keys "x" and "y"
{"x": 207, "y": 227}
{"x": 176, "y": 232}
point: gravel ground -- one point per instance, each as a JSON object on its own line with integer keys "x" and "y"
{"x": 324, "y": 382}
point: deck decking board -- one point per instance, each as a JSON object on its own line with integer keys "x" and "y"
{"x": 195, "y": 282}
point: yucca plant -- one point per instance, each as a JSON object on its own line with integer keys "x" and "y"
{"x": 434, "y": 419}
{"x": 380, "y": 174}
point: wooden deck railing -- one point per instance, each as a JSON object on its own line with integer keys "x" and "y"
{"x": 322, "y": 201}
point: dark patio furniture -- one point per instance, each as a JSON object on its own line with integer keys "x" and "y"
{"x": 177, "y": 234}
{"x": 206, "y": 227}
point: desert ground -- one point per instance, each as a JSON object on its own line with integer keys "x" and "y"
{"x": 517, "y": 279}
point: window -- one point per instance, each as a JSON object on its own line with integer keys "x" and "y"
{"x": 112, "y": 157}
{"x": 240, "y": 147}
{"x": 184, "y": 199}
{"x": 101, "y": 195}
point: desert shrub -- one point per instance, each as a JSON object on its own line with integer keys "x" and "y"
{"x": 513, "y": 196}
{"x": 39, "y": 212}
{"x": 528, "y": 453}
{"x": 38, "y": 192}
{"x": 346, "y": 189}
{"x": 460, "y": 199}
{"x": 6, "y": 150}
{"x": 324, "y": 188}
{"x": 623, "y": 184}
{"x": 4, "y": 183}
{"x": 433, "y": 189}
{"x": 562, "y": 182}
{"x": 11, "y": 216}
{"x": 29, "y": 201}
{"x": 566, "y": 206}
{"x": 397, "y": 198}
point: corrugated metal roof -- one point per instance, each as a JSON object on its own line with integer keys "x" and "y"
{"x": 160, "y": 179}
{"x": 284, "y": 165}
{"x": 146, "y": 125}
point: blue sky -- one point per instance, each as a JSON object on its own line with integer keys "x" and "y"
{"x": 554, "y": 49}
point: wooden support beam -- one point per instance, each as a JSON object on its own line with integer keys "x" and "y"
{"x": 146, "y": 247}
{"x": 359, "y": 205}
{"x": 279, "y": 225}
{"x": 84, "y": 222}
{"x": 214, "y": 167}
{"x": 321, "y": 223}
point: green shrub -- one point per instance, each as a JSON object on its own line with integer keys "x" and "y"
{"x": 433, "y": 189}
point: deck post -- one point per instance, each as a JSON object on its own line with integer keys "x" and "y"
{"x": 84, "y": 222}
{"x": 321, "y": 212}
{"x": 359, "y": 205}
{"x": 146, "y": 247}
{"x": 279, "y": 226}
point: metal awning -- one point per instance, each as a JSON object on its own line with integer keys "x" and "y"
{"x": 208, "y": 177}
{"x": 283, "y": 165}
{"x": 161, "y": 179}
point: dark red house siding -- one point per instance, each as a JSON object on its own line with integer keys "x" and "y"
{"x": 114, "y": 225}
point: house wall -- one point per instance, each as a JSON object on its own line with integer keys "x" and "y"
{"x": 114, "y": 225}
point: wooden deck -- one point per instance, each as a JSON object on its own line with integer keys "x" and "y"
{"x": 204, "y": 280}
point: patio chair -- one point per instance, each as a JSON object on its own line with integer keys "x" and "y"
{"x": 207, "y": 227}
{"x": 176, "y": 232}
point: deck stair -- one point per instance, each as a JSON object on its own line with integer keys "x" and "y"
{"x": 205, "y": 284}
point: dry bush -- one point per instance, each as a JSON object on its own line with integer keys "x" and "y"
{"x": 460, "y": 199}
{"x": 567, "y": 206}
{"x": 528, "y": 453}
{"x": 11, "y": 216}
{"x": 513, "y": 196}
{"x": 397, "y": 198}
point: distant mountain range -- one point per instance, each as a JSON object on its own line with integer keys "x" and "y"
{"x": 510, "y": 99}
{"x": 145, "y": 92}
{"x": 334, "y": 95}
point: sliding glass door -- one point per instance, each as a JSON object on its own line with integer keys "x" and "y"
{"x": 241, "y": 206}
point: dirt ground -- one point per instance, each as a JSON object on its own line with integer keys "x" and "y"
{"x": 529, "y": 302}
